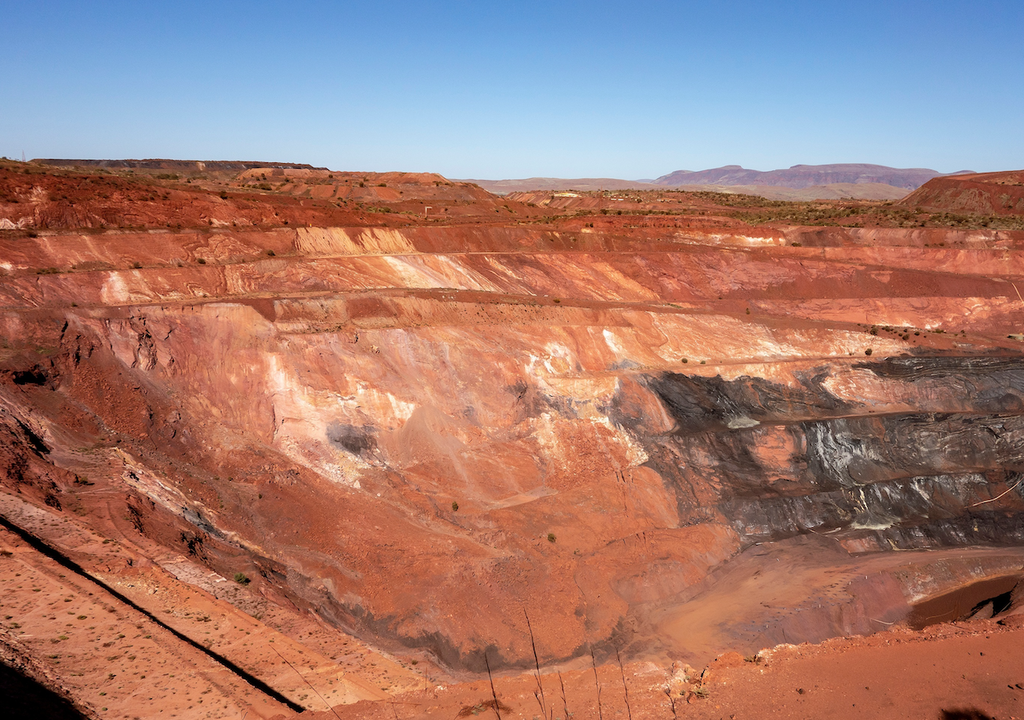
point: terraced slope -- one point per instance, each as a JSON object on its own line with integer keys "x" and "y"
{"x": 424, "y": 433}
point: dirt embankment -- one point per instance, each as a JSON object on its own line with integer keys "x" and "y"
{"x": 998, "y": 194}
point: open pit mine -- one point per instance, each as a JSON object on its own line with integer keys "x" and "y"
{"x": 283, "y": 440}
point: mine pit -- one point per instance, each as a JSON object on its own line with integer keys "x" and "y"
{"x": 294, "y": 447}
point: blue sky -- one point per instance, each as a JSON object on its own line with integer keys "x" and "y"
{"x": 515, "y": 89}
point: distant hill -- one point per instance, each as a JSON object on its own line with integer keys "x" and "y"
{"x": 998, "y": 193}
{"x": 802, "y": 176}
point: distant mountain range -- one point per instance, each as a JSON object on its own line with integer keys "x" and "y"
{"x": 800, "y": 182}
{"x": 802, "y": 176}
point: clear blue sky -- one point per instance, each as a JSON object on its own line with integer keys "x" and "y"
{"x": 494, "y": 90}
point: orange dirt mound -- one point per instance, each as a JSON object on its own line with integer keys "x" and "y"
{"x": 1000, "y": 193}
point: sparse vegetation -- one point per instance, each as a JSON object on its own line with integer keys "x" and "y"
{"x": 241, "y": 578}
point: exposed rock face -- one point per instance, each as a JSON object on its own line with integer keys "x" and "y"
{"x": 905, "y": 475}
{"x": 426, "y": 434}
